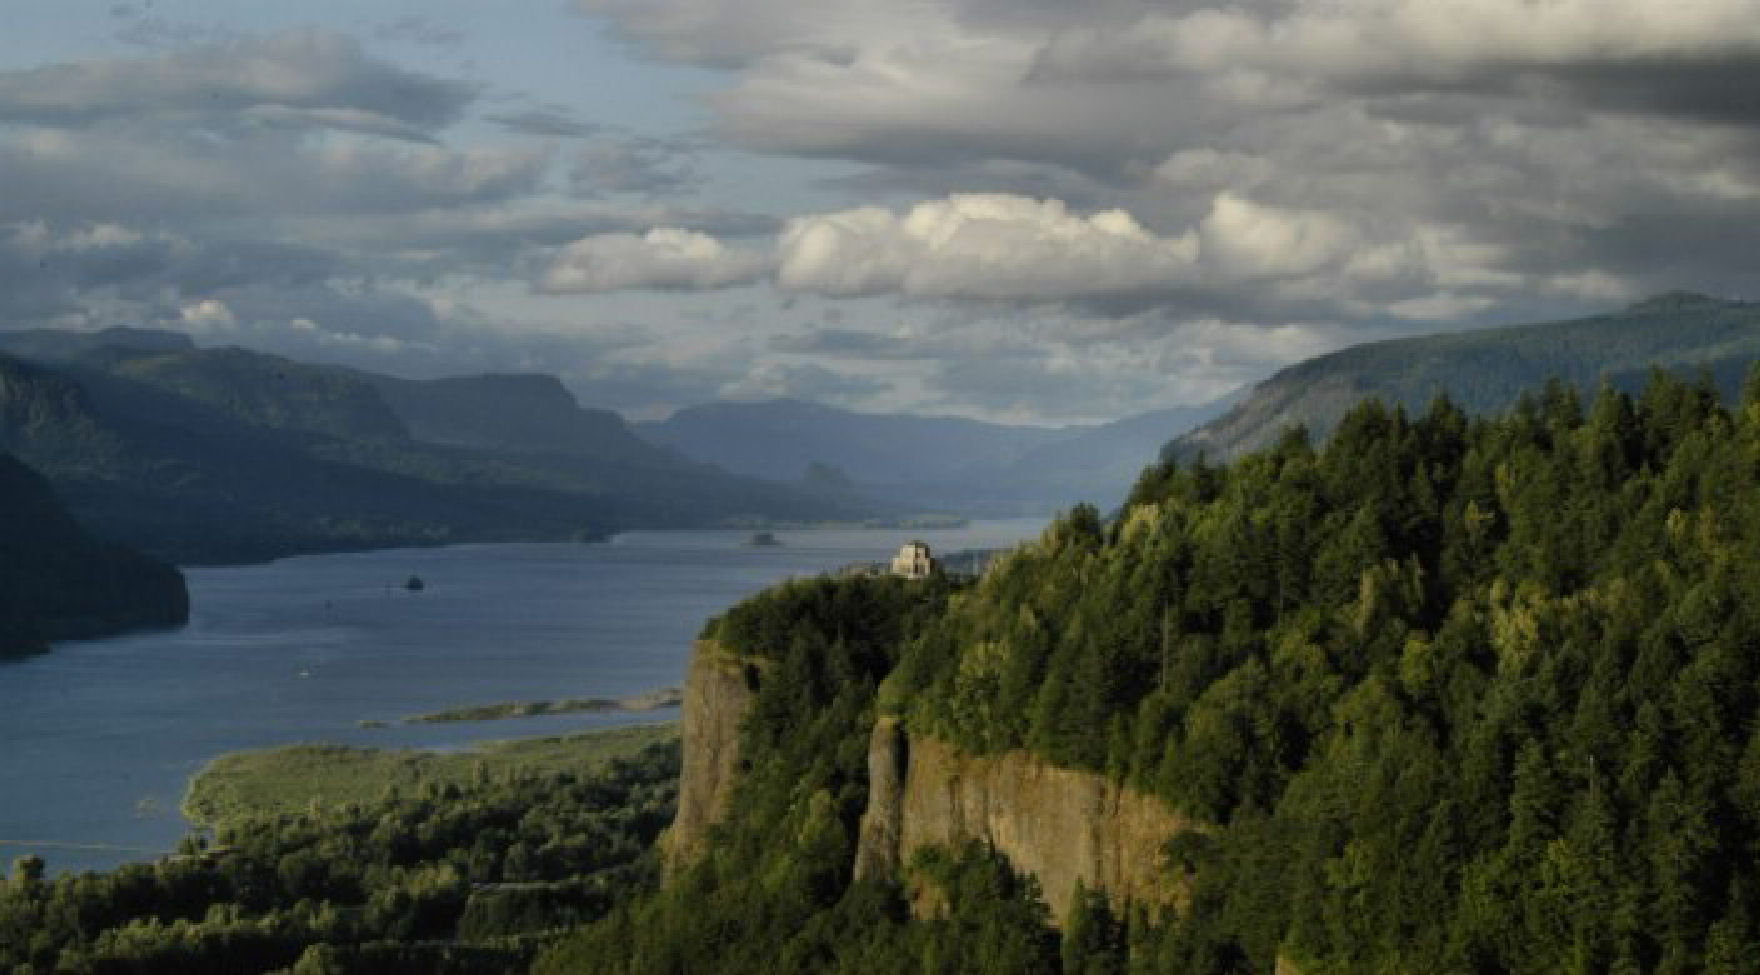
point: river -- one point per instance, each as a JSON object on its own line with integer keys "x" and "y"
{"x": 98, "y": 738}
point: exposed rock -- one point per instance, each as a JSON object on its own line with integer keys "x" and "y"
{"x": 716, "y": 695}
{"x": 877, "y": 849}
{"x": 1060, "y": 825}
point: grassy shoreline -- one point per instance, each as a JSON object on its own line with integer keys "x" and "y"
{"x": 291, "y": 779}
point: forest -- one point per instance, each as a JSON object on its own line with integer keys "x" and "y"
{"x": 452, "y": 878}
{"x": 1453, "y": 695}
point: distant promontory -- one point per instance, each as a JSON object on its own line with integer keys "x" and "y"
{"x": 57, "y": 582}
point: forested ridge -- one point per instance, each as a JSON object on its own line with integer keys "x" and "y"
{"x": 57, "y": 582}
{"x": 1454, "y": 695}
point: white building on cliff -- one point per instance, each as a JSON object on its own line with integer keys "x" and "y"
{"x": 915, "y": 561}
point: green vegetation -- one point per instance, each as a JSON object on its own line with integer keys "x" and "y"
{"x": 651, "y": 701}
{"x": 451, "y": 877}
{"x": 59, "y": 583}
{"x": 298, "y": 778}
{"x": 1454, "y": 695}
{"x": 1466, "y": 696}
{"x": 775, "y": 892}
{"x": 1459, "y": 696}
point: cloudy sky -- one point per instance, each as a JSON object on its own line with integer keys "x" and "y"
{"x": 1029, "y": 210}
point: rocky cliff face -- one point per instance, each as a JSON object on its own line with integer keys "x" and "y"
{"x": 716, "y": 694}
{"x": 1061, "y": 825}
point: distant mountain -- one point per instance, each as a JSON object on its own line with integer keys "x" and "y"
{"x": 1099, "y": 464}
{"x": 57, "y": 582}
{"x": 215, "y": 455}
{"x": 934, "y": 462}
{"x": 781, "y": 438}
{"x": 1489, "y": 369}
{"x": 526, "y": 412}
{"x": 57, "y": 344}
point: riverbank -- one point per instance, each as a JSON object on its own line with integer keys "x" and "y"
{"x": 295, "y": 779}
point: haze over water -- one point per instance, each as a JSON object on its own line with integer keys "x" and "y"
{"x": 100, "y": 737}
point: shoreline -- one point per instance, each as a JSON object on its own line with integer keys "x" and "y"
{"x": 291, "y": 778}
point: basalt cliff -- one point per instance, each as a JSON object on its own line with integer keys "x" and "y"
{"x": 717, "y": 693}
{"x": 1067, "y": 828}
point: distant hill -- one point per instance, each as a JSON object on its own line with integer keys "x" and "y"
{"x": 525, "y": 412}
{"x": 939, "y": 462}
{"x": 1489, "y": 369}
{"x": 57, "y": 582}
{"x": 781, "y": 438}
{"x": 218, "y": 455}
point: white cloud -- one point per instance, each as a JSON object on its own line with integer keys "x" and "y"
{"x": 663, "y": 259}
{"x": 1249, "y": 240}
{"x": 207, "y": 315}
{"x": 979, "y": 246}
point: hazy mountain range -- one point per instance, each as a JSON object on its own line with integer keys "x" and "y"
{"x": 941, "y": 463}
{"x": 224, "y": 454}
{"x": 1488, "y": 369}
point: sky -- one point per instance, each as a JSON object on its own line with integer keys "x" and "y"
{"x": 1030, "y": 211}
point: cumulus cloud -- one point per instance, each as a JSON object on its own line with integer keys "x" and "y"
{"x": 663, "y": 259}
{"x": 1249, "y": 240}
{"x": 1083, "y": 205}
{"x": 1429, "y": 155}
{"x": 978, "y": 246}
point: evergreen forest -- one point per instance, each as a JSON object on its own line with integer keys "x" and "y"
{"x": 1448, "y": 695}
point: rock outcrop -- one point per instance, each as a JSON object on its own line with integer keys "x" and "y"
{"x": 717, "y": 692}
{"x": 1061, "y": 825}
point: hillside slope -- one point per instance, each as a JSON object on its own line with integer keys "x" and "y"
{"x": 1487, "y": 370}
{"x": 1445, "y": 695}
{"x": 58, "y": 583}
{"x": 780, "y": 438}
{"x": 932, "y": 463}
{"x": 217, "y": 455}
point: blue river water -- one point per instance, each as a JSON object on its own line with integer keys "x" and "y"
{"x": 99, "y": 738}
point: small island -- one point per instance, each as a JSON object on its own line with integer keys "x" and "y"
{"x": 763, "y": 540}
{"x": 651, "y": 701}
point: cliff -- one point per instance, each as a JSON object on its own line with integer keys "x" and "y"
{"x": 717, "y": 692}
{"x": 1063, "y": 826}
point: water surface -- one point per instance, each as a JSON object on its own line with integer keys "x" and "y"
{"x": 98, "y": 738}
